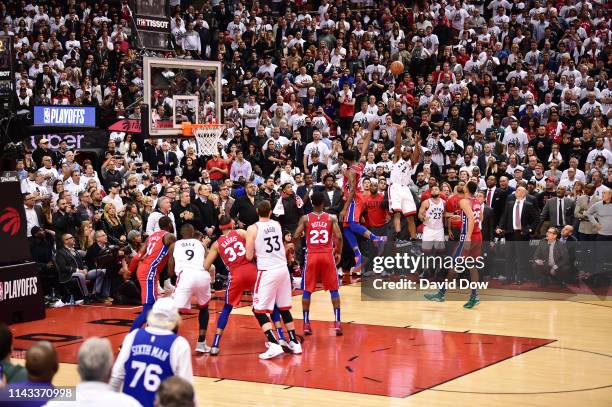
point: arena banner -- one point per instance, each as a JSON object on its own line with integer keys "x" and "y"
{"x": 422, "y": 269}
{"x": 21, "y": 293}
{"x": 72, "y": 116}
{"x": 79, "y": 140}
{"x": 151, "y": 23}
{"x": 126, "y": 126}
{"x": 13, "y": 241}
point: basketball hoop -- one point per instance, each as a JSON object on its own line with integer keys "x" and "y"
{"x": 207, "y": 136}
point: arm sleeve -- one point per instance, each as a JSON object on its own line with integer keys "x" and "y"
{"x": 118, "y": 373}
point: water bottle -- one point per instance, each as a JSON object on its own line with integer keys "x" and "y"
{"x": 71, "y": 299}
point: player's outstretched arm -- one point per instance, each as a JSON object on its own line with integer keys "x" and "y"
{"x": 300, "y": 229}
{"x": 466, "y": 207}
{"x": 213, "y": 252}
{"x": 422, "y": 209}
{"x": 171, "y": 260}
{"x": 251, "y": 235}
{"x": 338, "y": 237}
{"x": 416, "y": 150}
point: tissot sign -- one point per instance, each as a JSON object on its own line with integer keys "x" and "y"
{"x": 150, "y": 23}
{"x": 73, "y": 116}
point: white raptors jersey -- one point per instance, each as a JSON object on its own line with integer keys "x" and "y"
{"x": 401, "y": 171}
{"x": 188, "y": 254}
{"x": 269, "y": 247}
{"x": 435, "y": 213}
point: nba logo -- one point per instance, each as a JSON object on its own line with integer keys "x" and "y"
{"x": 47, "y": 115}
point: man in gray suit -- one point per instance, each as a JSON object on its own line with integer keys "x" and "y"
{"x": 558, "y": 211}
{"x": 586, "y": 230}
{"x": 551, "y": 259}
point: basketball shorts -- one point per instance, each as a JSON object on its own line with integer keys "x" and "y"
{"x": 240, "y": 280}
{"x": 353, "y": 212}
{"x": 320, "y": 267}
{"x": 148, "y": 277}
{"x": 473, "y": 248}
{"x": 273, "y": 286}
{"x": 401, "y": 200}
{"x": 433, "y": 239}
{"x": 192, "y": 283}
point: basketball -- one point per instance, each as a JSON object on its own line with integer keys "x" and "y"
{"x": 397, "y": 68}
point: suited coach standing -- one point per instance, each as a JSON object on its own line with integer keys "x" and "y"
{"x": 518, "y": 222}
{"x": 558, "y": 211}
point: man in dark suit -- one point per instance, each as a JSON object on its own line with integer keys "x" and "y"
{"x": 551, "y": 259}
{"x": 517, "y": 224}
{"x": 244, "y": 208}
{"x": 70, "y": 265}
{"x": 332, "y": 196}
{"x": 484, "y": 156}
{"x": 495, "y": 198}
{"x": 167, "y": 161}
{"x": 295, "y": 150}
{"x": 558, "y": 211}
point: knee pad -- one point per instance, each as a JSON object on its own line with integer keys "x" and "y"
{"x": 286, "y": 315}
{"x": 334, "y": 294}
{"x": 262, "y": 318}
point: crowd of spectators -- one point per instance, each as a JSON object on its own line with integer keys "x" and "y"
{"x": 510, "y": 95}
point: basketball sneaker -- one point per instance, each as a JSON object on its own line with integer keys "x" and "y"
{"x": 338, "y": 328}
{"x": 274, "y": 349}
{"x": 439, "y": 297}
{"x": 472, "y": 302}
{"x": 307, "y": 329}
{"x": 214, "y": 351}
{"x": 356, "y": 269}
{"x": 168, "y": 287}
{"x": 283, "y": 343}
{"x": 380, "y": 244}
{"x": 295, "y": 347}
{"x": 201, "y": 347}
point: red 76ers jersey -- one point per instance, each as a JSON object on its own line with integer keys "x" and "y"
{"x": 232, "y": 249}
{"x": 319, "y": 233}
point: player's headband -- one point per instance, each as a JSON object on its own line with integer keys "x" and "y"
{"x": 229, "y": 225}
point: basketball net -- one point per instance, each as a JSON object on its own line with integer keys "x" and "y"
{"x": 207, "y": 137}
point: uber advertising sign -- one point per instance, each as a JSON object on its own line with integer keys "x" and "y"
{"x": 73, "y": 116}
{"x": 21, "y": 294}
{"x": 80, "y": 140}
{"x": 150, "y": 23}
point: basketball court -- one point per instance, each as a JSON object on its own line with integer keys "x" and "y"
{"x": 539, "y": 351}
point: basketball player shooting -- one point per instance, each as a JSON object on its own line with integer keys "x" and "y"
{"x": 322, "y": 255}
{"x": 149, "y": 263}
{"x": 273, "y": 287}
{"x": 192, "y": 279}
{"x": 469, "y": 245}
{"x": 353, "y": 206}
{"x": 231, "y": 247}
{"x": 401, "y": 201}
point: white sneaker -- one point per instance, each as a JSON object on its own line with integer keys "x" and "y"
{"x": 283, "y": 343}
{"x": 295, "y": 347}
{"x": 168, "y": 287}
{"x": 201, "y": 347}
{"x": 58, "y": 304}
{"x": 274, "y": 349}
{"x": 79, "y": 302}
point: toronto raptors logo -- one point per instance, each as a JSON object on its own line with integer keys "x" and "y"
{"x": 11, "y": 221}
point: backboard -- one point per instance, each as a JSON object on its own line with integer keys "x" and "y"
{"x": 178, "y": 91}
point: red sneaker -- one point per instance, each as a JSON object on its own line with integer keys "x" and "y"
{"x": 338, "y": 328}
{"x": 307, "y": 329}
